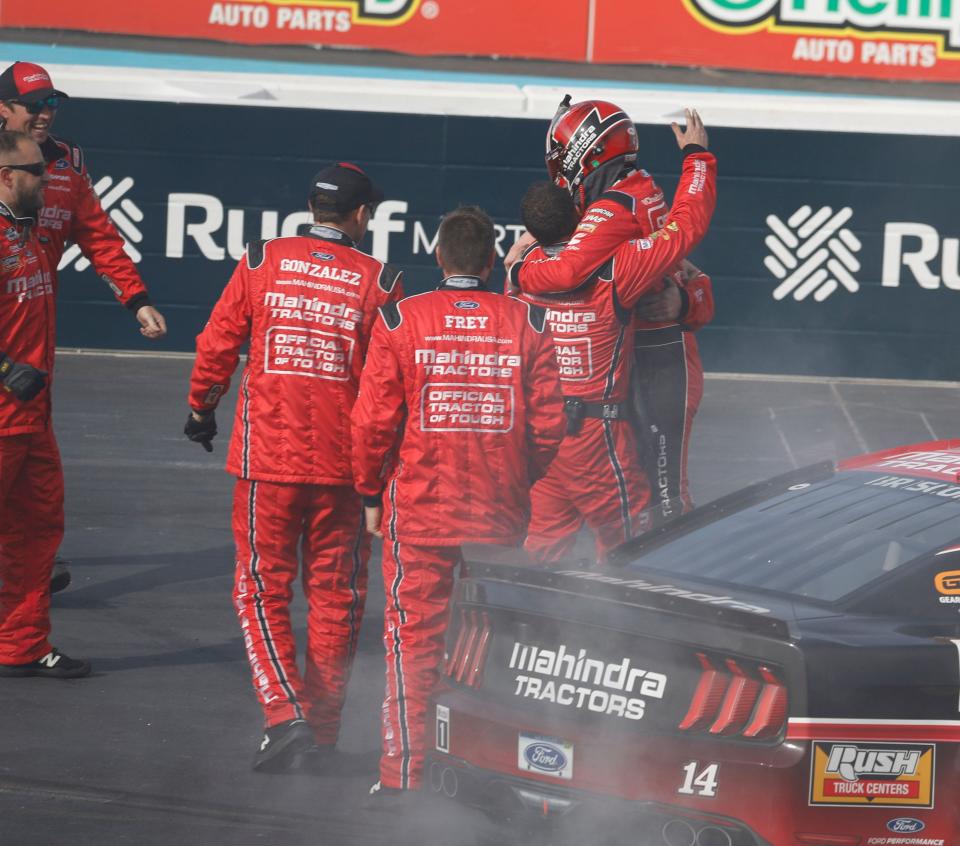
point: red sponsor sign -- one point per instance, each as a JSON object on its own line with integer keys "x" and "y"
{"x": 420, "y": 27}
{"x": 883, "y": 39}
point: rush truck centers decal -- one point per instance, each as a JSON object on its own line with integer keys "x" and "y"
{"x": 888, "y": 774}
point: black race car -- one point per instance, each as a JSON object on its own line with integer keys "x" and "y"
{"x": 779, "y": 667}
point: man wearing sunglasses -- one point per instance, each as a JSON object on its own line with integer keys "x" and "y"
{"x": 31, "y": 477}
{"x": 71, "y": 208}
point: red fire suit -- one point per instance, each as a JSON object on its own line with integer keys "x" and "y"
{"x": 668, "y": 374}
{"x": 31, "y": 478}
{"x": 597, "y": 476}
{"x": 469, "y": 378}
{"x": 72, "y": 212}
{"x": 307, "y": 305}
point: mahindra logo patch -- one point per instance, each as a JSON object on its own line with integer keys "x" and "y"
{"x": 125, "y": 214}
{"x": 812, "y": 253}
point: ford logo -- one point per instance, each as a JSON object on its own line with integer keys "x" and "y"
{"x": 466, "y": 304}
{"x": 323, "y": 256}
{"x": 905, "y": 825}
{"x": 545, "y": 756}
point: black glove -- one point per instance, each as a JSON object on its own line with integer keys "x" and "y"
{"x": 202, "y": 431}
{"x": 22, "y": 380}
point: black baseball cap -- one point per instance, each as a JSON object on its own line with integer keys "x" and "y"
{"x": 27, "y": 82}
{"x": 342, "y": 187}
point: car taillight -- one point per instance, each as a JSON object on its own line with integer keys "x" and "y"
{"x": 465, "y": 662}
{"x": 771, "y": 710}
{"x": 730, "y": 700}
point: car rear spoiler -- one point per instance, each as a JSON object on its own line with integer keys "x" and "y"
{"x": 713, "y": 511}
{"x": 574, "y": 594}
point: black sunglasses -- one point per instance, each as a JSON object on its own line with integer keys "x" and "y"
{"x": 34, "y": 168}
{"x": 37, "y": 106}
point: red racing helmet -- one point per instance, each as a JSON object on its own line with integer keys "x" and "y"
{"x": 584, "y": 136}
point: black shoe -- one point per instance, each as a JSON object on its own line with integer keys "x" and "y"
{"x": 389, "y": 799}
{"x": 60, "y": 578}
{"x": 320, "y": 759}
{"x": 54, "y": 665}
{"x": 283, "y": 747}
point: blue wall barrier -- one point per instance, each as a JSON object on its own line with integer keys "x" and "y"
{"x": 831, "y": 253}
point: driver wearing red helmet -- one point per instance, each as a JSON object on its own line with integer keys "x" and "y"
{"x": 591, "y": 150}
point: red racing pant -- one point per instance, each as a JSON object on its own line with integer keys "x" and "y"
{"x": 31, "y": 528}
{"x": 667, "y": 389}
{"x": 418, "y": 581}
{"x": 596, "y": 479}
{"x": 271, "y": 523}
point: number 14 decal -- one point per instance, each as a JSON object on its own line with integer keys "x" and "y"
{"x": 703, "y": 783}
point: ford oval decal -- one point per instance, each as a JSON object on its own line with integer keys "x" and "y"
{"x": 545, "y": 756}
{"x": 906, "y": 825}
{"x": 466, "y": 304}
{"x": 323, "y": 256}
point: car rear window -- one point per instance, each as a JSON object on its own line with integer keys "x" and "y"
{"x": 821, "y": 540}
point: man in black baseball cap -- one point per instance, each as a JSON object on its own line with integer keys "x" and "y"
{"x": 341, "y": 188}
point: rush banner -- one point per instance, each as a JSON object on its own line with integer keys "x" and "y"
{"x": 419, "y": 27}
{"x": 831, "y": 253}
{"x": 883, "y": 39}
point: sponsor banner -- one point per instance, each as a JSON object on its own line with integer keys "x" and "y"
{"x": 830, "y": 253}
{"x": 872, "y": 774}
{"x": 882, "y": 39}
{"x": 419, "y": 27}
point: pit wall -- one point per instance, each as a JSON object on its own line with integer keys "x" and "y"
{"x": 834, "y": 249}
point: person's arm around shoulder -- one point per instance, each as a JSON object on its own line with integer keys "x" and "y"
{"x": 611, "y": 221}
{"x": 697, "y": 290}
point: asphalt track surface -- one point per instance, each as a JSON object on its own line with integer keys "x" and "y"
{"x": 155, "y": 747}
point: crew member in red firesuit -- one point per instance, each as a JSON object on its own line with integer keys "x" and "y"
{"x": 71, "y": 209}
{"x": 307, "y": 306}
{"x": 460, "y": 411}
{"x": 668, "y": 376}
{"x": 31, "y": 476}
{"x": 596, "y": 477}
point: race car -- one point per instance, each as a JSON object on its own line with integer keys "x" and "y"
{"x": 779, "y": 667}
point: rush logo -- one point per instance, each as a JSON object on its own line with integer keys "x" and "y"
{"x": 889, "y": 774}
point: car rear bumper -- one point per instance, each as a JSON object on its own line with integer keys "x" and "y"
{"x": 511, "y": 798}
